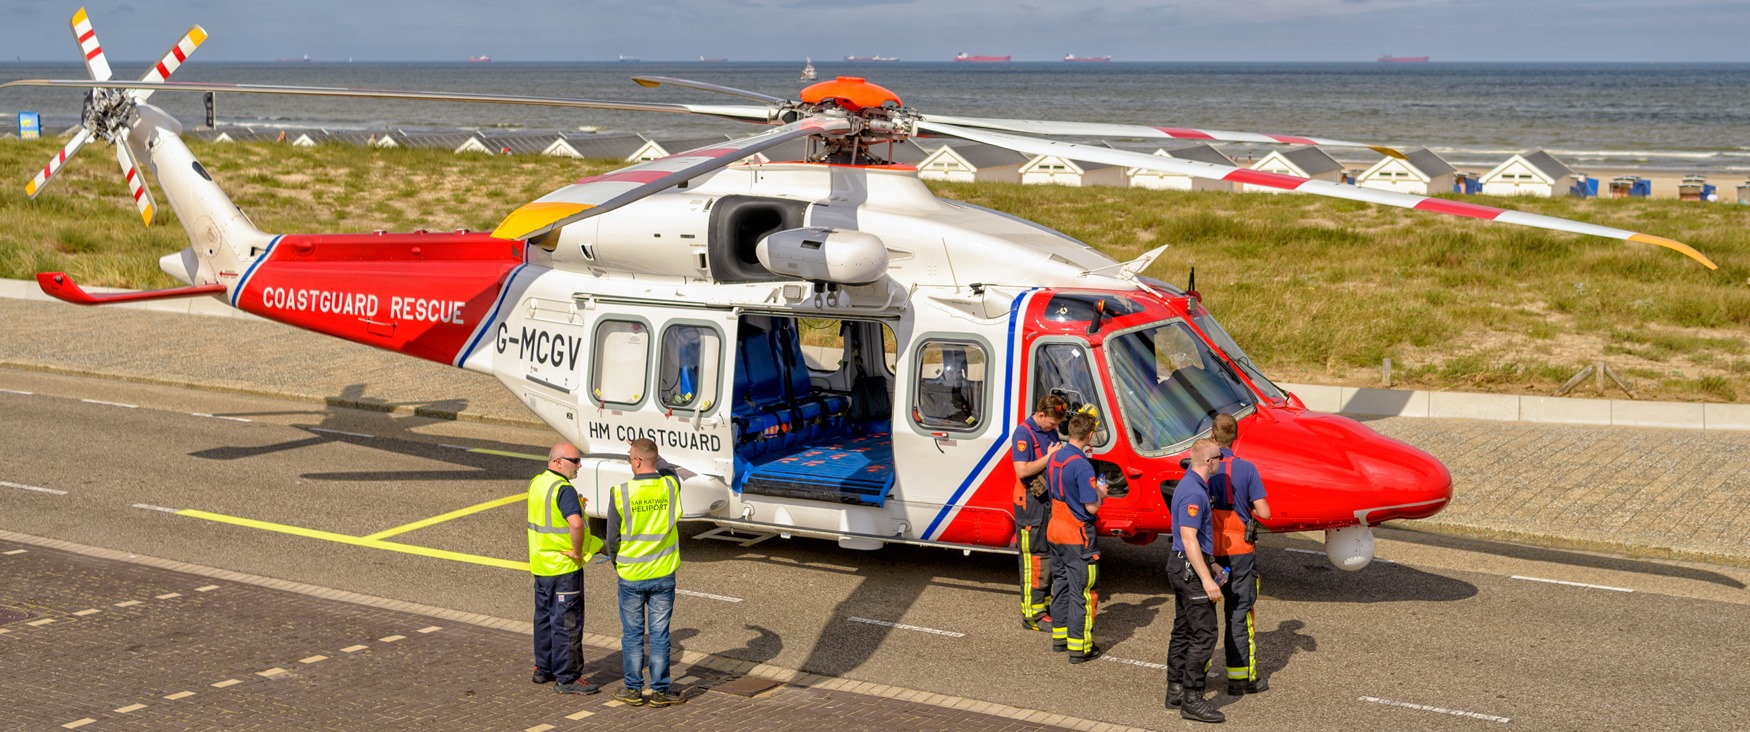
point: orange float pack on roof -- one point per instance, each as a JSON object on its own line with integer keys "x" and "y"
{"x": 852, "y": 92}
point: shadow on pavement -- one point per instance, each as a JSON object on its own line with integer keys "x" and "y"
{"x": 1558, "y": 556}
{"x": 1310, "y": 578}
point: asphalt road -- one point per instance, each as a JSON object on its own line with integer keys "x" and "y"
{"x": 1449, "y": 634}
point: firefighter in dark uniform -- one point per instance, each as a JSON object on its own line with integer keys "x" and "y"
{"x": 1236, "y": 495}
{"x": 1035, "y": 441}
{"x": 1076, "y": 493}
{"x": 1196, "y": 587}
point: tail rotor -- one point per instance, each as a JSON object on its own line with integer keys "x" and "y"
{"x": 106, "y": 111}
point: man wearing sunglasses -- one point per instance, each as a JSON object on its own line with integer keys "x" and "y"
{"x": 1195, "y": 587}
{"x": 559, "y": 542}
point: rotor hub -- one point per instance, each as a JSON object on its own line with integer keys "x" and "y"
{"x": 106, "y": 112}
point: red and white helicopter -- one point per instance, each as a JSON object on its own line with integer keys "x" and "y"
{"x": 668, "y": 300}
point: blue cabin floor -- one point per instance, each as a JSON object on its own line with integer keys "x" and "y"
{"x": 854, "y": 469}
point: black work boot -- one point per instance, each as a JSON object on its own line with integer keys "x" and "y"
{"x": 1175, "y": 693}
{"x": 1240, "y": 688}
{"x": 1195, "y": 708}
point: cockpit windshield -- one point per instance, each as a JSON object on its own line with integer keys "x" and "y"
{"x": 1226, "y": 343}
{"x": 1170, "y": 385}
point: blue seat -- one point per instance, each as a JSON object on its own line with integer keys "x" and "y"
{"x": 775, "y": 407}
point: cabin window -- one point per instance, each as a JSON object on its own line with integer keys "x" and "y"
{"x": 950, "y": 386}
{"x": 692, "y": 364}
{"x": 621, "y": 361}
{"x": 1064, "y": 369}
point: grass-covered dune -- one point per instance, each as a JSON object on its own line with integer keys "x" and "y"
{"x": 1317, "y": 290}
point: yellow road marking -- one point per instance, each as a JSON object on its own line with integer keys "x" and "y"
{"x": 357, "y": 541}
{"x": 523, "y": 455}
{"x": 179, "y": 695}
{"x": 456, "y": 514}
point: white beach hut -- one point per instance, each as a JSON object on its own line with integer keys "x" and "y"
{"x": 604, "y": 147}
{"x": 1305, "y": 162}
{"x": 1059, "y": 171}
{"x": 1534, "y": 173}
{"x": 968, "y": 162}
{"x": 1158, "y": 180}
{"x": 1424, "y": 173}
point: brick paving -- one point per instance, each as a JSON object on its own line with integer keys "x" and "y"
{"x": 1682, "y": 491}
{"x": 188, "y": 652}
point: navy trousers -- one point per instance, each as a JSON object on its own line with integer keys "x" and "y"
{"x": 559, "y": 625}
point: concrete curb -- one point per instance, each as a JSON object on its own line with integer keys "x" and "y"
{"x": 1363, "y": 402}
{"x": 605, "y": 643}
{"x": 1360, "y": 402}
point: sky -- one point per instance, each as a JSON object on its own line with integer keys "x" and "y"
{"x": 914, "y": 30}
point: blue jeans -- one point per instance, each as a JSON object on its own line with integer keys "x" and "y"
{"x": 637, "y": 598}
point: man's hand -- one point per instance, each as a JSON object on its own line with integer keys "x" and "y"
{"x": 1053, "y": 447}
{"x": 1212, "y": 589}
{"x": 571, "y": 554}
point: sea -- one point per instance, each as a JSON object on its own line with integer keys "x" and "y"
{"x": 1605, "y": 116}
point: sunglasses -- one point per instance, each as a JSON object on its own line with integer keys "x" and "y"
{"x": 572, "y": 460}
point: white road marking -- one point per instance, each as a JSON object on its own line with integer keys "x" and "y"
{"x": 430, "y": 629}
{"x": 313, "y": 659}
{"x": 341, "y": 432}
{"x": 179, "y": 695}
{"x": 391, "y": 638}
{"x": 270, "y": 673}
{"x": 208, "y": 588}
{"x": 227, "y": 682}
{"x": 16, "y": 551}
{"x": 129, "y": 603}
{"x": 351, "y": 649}
{"x": 39, "y": 489}
{"x": 902, "y": 626}
{"x": 1442, "y": 710}
{"x": 150, "y": 507}
{"x": 83, "y": 613}
{"x": 77, "y": 723}
{"x": 1572, "y": 584}
{"x": 708, "y": 596}
{"x": 1144, "y": 664}
{"x": 130, "y": 708}
{"x": 220, "y": 416}
{"x": 44, "y": 621}
{"x": 15, "y": 391}
{"x": 169, "y": 596}
{"x": 110, "y": 404}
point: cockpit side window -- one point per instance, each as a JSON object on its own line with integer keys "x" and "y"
{"x": 1064, "y": 369}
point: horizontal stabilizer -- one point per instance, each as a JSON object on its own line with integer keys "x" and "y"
{"x": 62, "y": 287}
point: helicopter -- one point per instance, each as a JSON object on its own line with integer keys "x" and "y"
{"x": 821, "y": 346}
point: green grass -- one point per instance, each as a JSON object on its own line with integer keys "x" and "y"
{"x": 1315, "y": 289}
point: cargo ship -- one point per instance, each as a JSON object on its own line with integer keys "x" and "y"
{"x": 704, "y": 60}
{"x": 482, "y": 58}
{"x": 985, "y": 59}
{"x": 1386, "y": 58}
{"x": 1072, "y": 58}
{"x": 629, "y": 59}
{"x": 871, "y": 59}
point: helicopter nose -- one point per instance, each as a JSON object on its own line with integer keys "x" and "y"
{"x": 1409, "y": 483}
{"x": 1335, "y": 469}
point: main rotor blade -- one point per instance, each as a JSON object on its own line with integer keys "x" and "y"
{"x": 651, "y": 82}
{"x": 714, "y": 110}
{"x": 171, "y": 60}
{"x": 1105, "y": 129}
{"x": 1211, "y": 171}
{"x": 136, "y": 182}
{"x": 96, "y": 63}
{"x": 36, "y": 184}
{"x": 600, "y": 194}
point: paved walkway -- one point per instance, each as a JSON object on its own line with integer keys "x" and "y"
{"x": 197, "y": 653}
{"x": 1641, "y": 491}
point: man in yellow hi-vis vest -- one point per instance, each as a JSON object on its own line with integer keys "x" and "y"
{"x": 645, "y": 547}
{"x": 559, "y": 542}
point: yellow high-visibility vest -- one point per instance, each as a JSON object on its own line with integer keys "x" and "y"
{"x": 650, "y": 545}
{"x": 549, "y": 533}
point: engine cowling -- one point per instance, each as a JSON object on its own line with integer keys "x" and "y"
{"x": 824, "y": 255}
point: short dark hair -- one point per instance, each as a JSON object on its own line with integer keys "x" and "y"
{"x": 1225, "y": 430}
{"x": 1053, "y": 406}
{"x": 1081, "y": 424}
